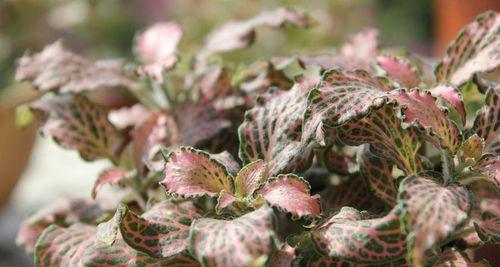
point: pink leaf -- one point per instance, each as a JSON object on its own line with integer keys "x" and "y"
{"x": 284, "y": 258}
{"x": 109, "y": 176}
{"x": 475, "y": 50}
{"x": 129, "y": 116}
{"x": 486, "y": 213}
{"x": 249, "y": 178}
{"x": 191, "y": 173}
{"x": 400, "y": 70}
{"x": 279, "y": 192}
{"x": 58, "y": 69}
{"x": 229, "y": 243}
{"x": 452, "y": 95}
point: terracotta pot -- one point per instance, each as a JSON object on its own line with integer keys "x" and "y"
{"x": 15, "y": 144}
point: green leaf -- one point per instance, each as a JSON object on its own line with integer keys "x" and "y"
{"x": 246, "y": 240}
{"x": 377, "y": 173}
{"x": 272, "y": 131}
{"x": 161, "y": 231}
{"x": 349, "y": 236}
{"x": 487, "y": 123}
{"x": 78, "y": 246}
{"x": 431, "y": 212}
{"x": 192, "y": 173}
{"x": 58, "y": 69}
{"x": 420, "y": 109}
{"x": 387, "y": 138}
{"x": 340, "y": 97}
{"x": 475, "y": 50}
{"x": 79, "y": 124}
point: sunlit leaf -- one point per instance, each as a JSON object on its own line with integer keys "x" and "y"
{"x": 157, "y": 47}
{"x": 431, "y": 212}
{"x": 487, "y": 123}
{"x": 348, "y": 236}
{"x": 191, "y": 173}
{"x": 420, "y": 109}
{"x": 77, "y": 123}
{"x": 243, "y": 241}
{"x": 400, "y": 70}
{"x": 272, "y": 131}
{"x": 290, "y": 193}
{"x": 56, "y": 68}
{"x": 476, "y": 49}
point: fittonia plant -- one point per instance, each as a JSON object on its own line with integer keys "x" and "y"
{"x": 359, "y": 157}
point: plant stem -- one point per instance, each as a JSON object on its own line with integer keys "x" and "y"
{"x": 446, "y": 161}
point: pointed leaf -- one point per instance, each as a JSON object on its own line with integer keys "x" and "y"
{"x": 342, "y": 96}
{"x": 109, "y": 176}
{"x": 377, "y": 172}
{"x": 272, "y": 130}
{"x": 77, "y": 123}
{"x": 228, "y": 243}
{"x": 474, "y": 50}
{"x": 290, "y": 193}
{"x": 452, "y": 95}
{"x": 157, "y": 46}
{"x": 56, "y": 68}
{"x": 192, "y": 173}
{"x": 359, "y": 240}
{"x": 421, "y": 109}
{"x": 161, "y": 231}
{"x": 249, "y": 178}
{"x": 353, "y": 192}
{"x": 78, "y": 246}
{"x": 382, "y": 130}
{"x": 487, "y": 122}
{"x": 431, "y": 212}
{"x": 400, "y": 70}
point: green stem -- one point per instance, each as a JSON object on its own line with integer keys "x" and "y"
{"x": 446, "y": 161}
{"x": 472, "y": 179}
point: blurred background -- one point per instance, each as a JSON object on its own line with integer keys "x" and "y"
{"x": 34, "y": 171}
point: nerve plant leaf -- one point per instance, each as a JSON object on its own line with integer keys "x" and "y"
{"x": 280, "y": 190}
{"x": 284, "y": 258}
{"x": 377, "y": 173}
{"x": 157, "y": 47}
{"x": 78, "y": 246}
{"x": 236, "y": 35}
{"x": 342, "y": 96}
{"x": 487, "y": 122}
{"x": 272, "y": 131}
{"x": 486, "y": 213}
{"x": 475, "y": 50}
{"x": 382, "y": 130}
{"x": 431, "y": 212}
{"x": 161, "y": 231}
{"x": 56, "y": 68}
{"x": 77, "y": 123}
{"x": 190, "y": 173}
{"x": 400, "y": 70}
{"x": 249, "y": 178}
{"x": 452, "y": 95}
{"x": 453, "y": 257}
{"x": 349, "y": 236}
{"x": 215, "y": 242}
{"x": 421, "y": 109}
{"x": 109, "y": 176}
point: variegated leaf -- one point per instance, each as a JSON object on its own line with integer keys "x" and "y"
{"x": 227, "y": 160}
{"x": 486, "y": 214}
{"x": 378, "y": 175}
{"x": 431, "y": 212}
{"x": 157, "y": 47}
{"x": 487, "y": 122}
{"x": 340, "y": 97}
{"x": 78, "y": 246}
{"x": 475, "y": 50}
{"x": 56, "y": 68}
{"x": 452, "y": 257}
{"x": 236, "y": 35}
{"x": 420, "y": 109}
{"x": 110, "y": 176}
{"x": 228, "y": 242}
{"x": 354, "y": 192}
{"x": 279, "y": 191}
{"x": 249, "y": 178}
{"x": 161, "y": 231}
{"x": 191, "y": 173}
{"x": 472, "y": 148}
{"x": 359, "y": 240}
{"x": 339, "y": 162}
{"x": 451, "y": 94}
{"x": 382, "y": 130}
{"x": 259, "y": 77}
{"x": 400, "y": 70}
{"x": 272, "y": 131}
{"x": 488, "y": 166}
{"x": 77, "y": 123}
